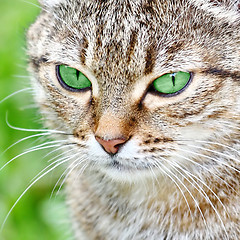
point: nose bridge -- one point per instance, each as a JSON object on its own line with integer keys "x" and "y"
{"x": 112, "y": 110}
{"x": 114, "y": 93}
{"x": 110, "y": 126}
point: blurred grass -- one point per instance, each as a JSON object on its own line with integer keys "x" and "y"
{"x": 36, "y": 216}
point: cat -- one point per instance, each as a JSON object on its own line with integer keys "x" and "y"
{"x": 144, "y": 97}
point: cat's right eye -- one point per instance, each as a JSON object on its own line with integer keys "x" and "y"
{"x": 72, "y": 79}
{"x": 171, "y": 84}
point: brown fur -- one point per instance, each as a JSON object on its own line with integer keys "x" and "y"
{"x": 177, "y": 175}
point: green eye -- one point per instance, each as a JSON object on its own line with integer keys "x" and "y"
{"x": 172, "y": 83}
{"x": 72, "y": 79}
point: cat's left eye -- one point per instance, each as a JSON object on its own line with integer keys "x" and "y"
{"x": 72, "y": 79}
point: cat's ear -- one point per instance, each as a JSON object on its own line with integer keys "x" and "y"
{"x": 50, "y": 3}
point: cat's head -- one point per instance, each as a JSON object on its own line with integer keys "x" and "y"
{"x": 139, "y": 86}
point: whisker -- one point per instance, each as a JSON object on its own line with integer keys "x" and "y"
{"x": 69, "y": 158}
{"x": 83, "y": 168}
{"x": 23, "y": 139}
{"x": 195, "y": 201}
{"x": 26, "y": 152}
{"x": 42, "y": 139}
{"x": 50, "y": 142}
{"x": 53, "y": 131}
{"x": 63, "y": 159}
{"x": 211, "y": 158}
{"x": 79, "y": 162}
{"x": 154, "y": 177}
{"x": 24, "y": 192}
{"x": 59, "y": 179}
{"x": 15, "y": 93}
{"x": 59, "y": 149}
{"x": 193, "y": 176}
{"x": 200, "y": 190}
{"x": 200, "y": 165}
{"x": 161, "y": 166}
{"x": 218, "y": 144}
{"x": 29, "y": 106}
{"x": 33, "y": 4}
{"x": 35, "y": 130}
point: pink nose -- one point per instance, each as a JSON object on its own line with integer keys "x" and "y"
{"x": 111, "y": 146}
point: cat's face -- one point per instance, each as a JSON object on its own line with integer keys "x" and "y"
{"x": 124, "y": 121}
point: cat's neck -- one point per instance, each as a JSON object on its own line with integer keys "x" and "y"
{"x": 99, "y": 197}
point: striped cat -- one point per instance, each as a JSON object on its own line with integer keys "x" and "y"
{"x": 144, "y": 97}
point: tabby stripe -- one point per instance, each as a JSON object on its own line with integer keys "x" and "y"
{"x": 150, "y": 59}
{"x": 99, "y": 34}
{"x": 223, "y": 73}
{"x": 83, "y": 51}
{"x": 132, "y": 43}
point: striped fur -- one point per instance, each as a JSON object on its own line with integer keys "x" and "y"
{"x": 177, "y": 176}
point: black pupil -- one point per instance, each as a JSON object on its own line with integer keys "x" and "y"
{"x": 173, "y": 80}
{"x": 77, "y": 74}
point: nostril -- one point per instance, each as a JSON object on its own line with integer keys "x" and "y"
{"x": 111, "y": 146}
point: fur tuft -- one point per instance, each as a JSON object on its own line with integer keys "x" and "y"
{"x": 50, "y": 3}
{"x": 225, "y": 10}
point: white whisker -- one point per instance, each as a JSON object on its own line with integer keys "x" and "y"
{"x": 59, "y": 149}
{"x": 25, "y": 191}
{"x": 218, "y": 144}
{"x": 211, "y": 158}
{"x": 154, "y": 177}
{"x": 47, "y": 143}
{"x": 83, "y": 168}
{"x": 21, "y": 76}
{"x": 63, "y": 160}
{"x": 59, "y": 179}
{"x": 194, "y": 199}
{"x": 15, "y": 93}
{"x": 161, "y": 166}
{"x": 200, "y": 165}
{"x": 23, "y": 139}
{"x": 29, "y": 151}
{"x": 33, "y": 130}
{"x": 69, "y": 158}
{"x": 200, "y": 189}
{"x": 71, "y": 168}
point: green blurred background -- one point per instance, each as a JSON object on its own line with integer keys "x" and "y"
{"x": 36, "y": 216}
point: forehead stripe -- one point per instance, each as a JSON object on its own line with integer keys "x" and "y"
{"x": 150, "y": 59}
{"x": 83, "y": 50}
{"x": 133, "y": 41}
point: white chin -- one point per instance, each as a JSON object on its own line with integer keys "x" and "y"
{"x": 122, "y": 173}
